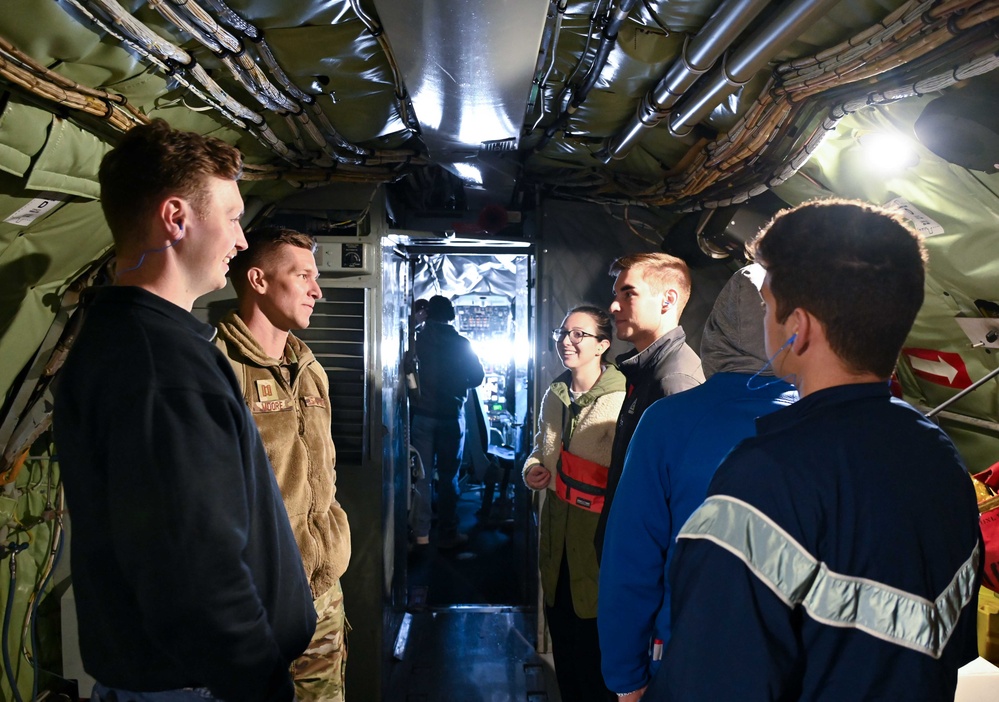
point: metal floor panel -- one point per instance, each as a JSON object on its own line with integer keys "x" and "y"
{"x": 494, "y": 568}
{"x": 472, "y": 654}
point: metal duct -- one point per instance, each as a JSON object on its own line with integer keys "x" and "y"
{"x": 698, "y": 56}
{"x": 469, "y": 67}
{"x": 547, "y": 54}
{"x": 746, "y": 61}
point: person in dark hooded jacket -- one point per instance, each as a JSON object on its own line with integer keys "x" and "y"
{"x": 676, "y": 448}
{"x": 448, "y": 367}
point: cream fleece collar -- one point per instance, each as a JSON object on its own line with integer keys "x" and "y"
{"x": 234, "y": 331}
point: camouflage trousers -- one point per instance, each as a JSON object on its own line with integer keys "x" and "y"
{"x": 318, "y": 673}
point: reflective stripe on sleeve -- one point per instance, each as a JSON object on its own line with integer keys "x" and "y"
{"x": 798, "y": 578}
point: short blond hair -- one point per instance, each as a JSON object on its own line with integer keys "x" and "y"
{"x": 660, "y": 270}
{"x": 261, "y": 246}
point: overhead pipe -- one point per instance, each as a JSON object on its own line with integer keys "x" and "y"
{"x": 549, "y": 41}
{"x": 194, "y": 20}
{"x": 325, "y": 136}
{"x": 737, "y": 69}
{"x": 607, "y": 42}
{"x": 603, "y": 51}
{"x": 403, "y": 101}
{"x": 549, "y": 47}
{"x": 698, "y": 56}
{"x": 598, "y": 11}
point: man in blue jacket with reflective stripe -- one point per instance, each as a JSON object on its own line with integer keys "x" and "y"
{"x": 837, "y": 554}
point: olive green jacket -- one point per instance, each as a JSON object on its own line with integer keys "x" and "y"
{"x": 565, "y": 528}
{"x": 293, "y": 415}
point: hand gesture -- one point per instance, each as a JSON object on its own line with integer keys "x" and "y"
{"x": 537, "y": 477}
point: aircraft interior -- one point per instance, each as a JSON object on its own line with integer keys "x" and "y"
{"x": 501, "y": 155}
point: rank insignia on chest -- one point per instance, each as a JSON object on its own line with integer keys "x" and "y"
{"x": 266, "y": 390}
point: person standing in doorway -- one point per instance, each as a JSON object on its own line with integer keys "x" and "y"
{"x": 448, "y": 368}
{"x": 650, "y": 292}
{"x": 410, "y": 366}
{"x": 187, "y": 579}
{"x": 287, "y": 391}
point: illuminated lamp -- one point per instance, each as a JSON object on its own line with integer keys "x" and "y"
{"x": 888, "y": 152}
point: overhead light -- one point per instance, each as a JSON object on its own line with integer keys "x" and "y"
{"x": 468, "y": 172}
{"x": 889, "y": 152}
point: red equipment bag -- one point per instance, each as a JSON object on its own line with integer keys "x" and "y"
{"x": 989, "y": 522}
{"x": 580, "y": 482}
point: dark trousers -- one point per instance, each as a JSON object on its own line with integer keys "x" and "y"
{"x": 575, "y": 648}
{"x": 439, "y": 443}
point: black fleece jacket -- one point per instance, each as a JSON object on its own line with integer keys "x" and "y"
{"x": 185, "y": 570}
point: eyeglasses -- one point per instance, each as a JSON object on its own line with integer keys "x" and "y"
{"x": 575, "y": 335}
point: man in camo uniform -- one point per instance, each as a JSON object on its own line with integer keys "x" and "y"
{"x": 287, "y": 391}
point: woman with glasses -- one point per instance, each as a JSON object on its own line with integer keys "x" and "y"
{"x": 572, "y": 450}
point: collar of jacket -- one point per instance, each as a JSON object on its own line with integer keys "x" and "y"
{"x": 825, "y": 400}
{"x": 434, "y": 332}
{"x": 438, "y": 325}
{"x": 611, "y": 380}
{"x": 134, "y": 295}
{"x": 633, "y": 362}
{"x": 233, "y": 330}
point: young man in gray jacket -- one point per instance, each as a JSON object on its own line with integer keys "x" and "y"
{"x": 650, "y": 292}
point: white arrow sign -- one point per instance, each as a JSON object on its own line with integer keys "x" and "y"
{"x": 938, "y": 367}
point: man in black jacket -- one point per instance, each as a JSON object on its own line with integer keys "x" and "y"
{"x": 650, "y": 292}
{"x": 187, "y": 578}
{"x": 448, "y": 368}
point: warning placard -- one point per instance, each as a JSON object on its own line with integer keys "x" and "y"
{"x": 941, "y": 367}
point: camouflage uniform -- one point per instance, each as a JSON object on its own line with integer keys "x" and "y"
{"x": 289, "y": 400}
{"x": 318, "y": 673}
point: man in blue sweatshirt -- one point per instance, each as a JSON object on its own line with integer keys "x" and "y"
{"x": 676, "y": 448}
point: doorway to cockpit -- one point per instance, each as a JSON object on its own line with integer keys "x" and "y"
{"x": 490, "y": 289}
{"x": 465, "y": 618}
